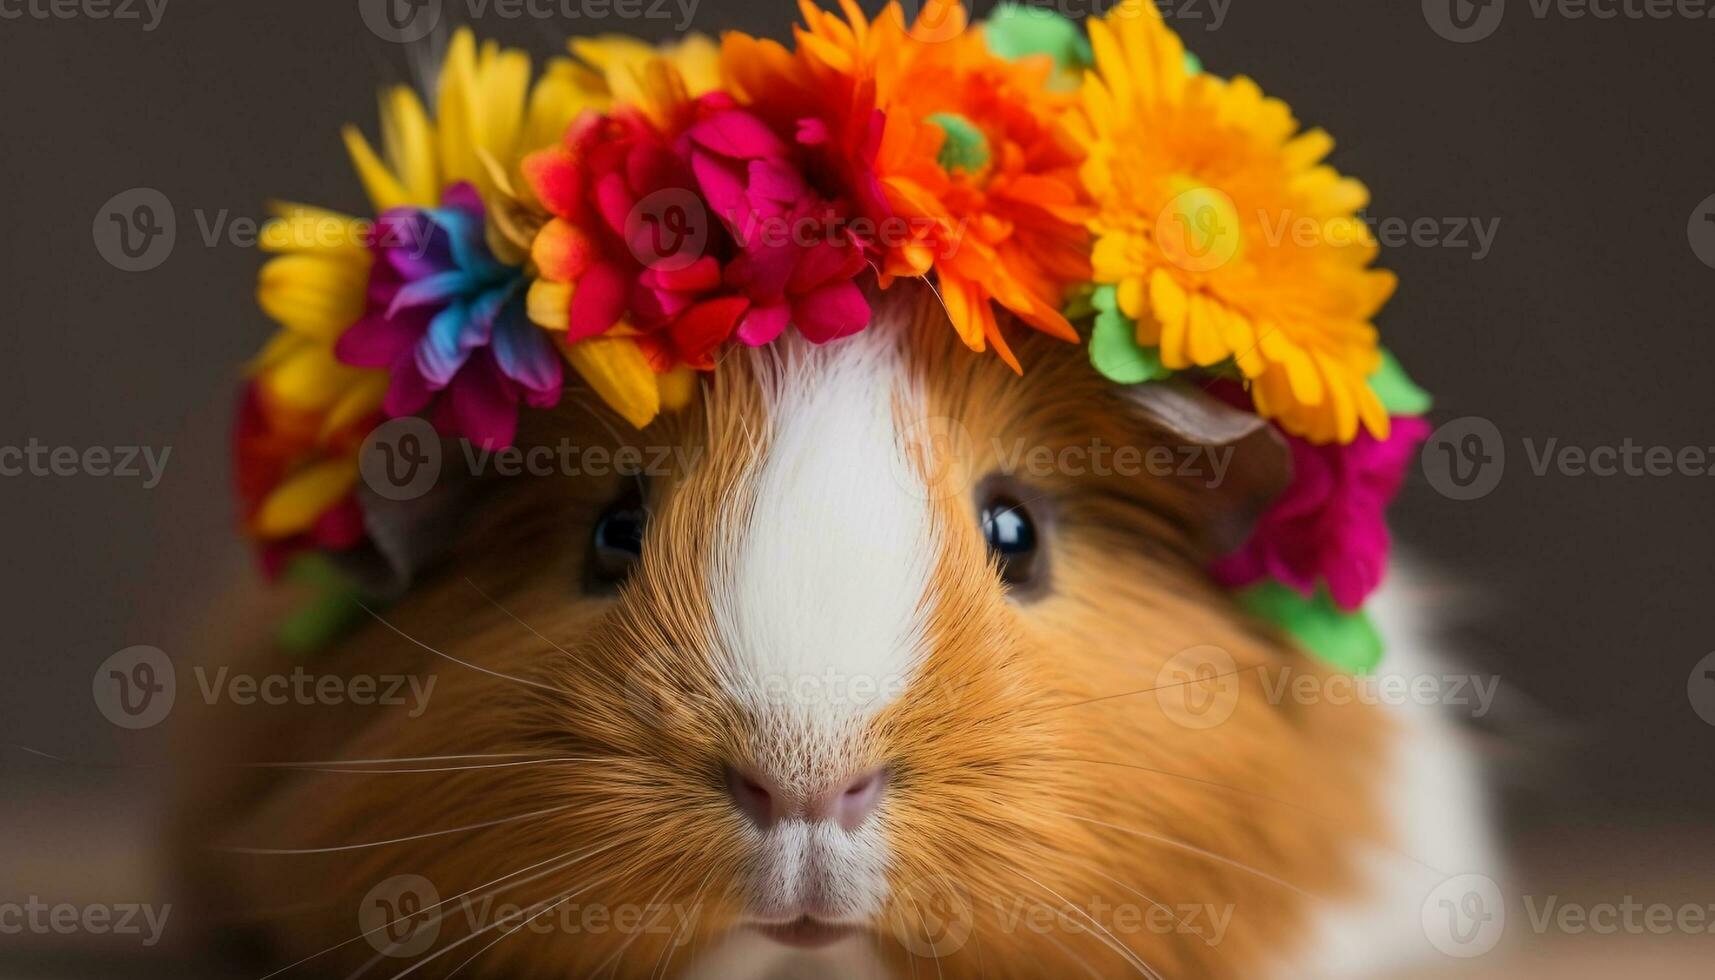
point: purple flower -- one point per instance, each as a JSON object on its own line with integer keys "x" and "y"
{"x": 447, "y": 320}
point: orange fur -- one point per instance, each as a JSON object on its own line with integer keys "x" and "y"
{"x": 1032, "y": 760}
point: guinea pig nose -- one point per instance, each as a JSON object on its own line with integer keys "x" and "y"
{"x": 755, "y": 797}
{"x": 850, "y": 805}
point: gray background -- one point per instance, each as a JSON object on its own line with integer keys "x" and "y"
{"x": 1588, "y": 322}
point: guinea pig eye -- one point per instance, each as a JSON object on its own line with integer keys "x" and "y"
{"x": 617, "y": 542}
{"x": 1011, "y": 536}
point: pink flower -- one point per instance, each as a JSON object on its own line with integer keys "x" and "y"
{"x": 693, "y": 235}
{"x": 1329, "y": 526}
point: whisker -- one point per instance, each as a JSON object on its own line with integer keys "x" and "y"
{"x": 563, "y": 899}
{"x": 384, "y": 843}
{"x": 494, "y": 765}
{"x": 86, "y": 764}
{"x": 1195, "y": 932}
{"x": 1125, "y": 952}
{"x": 1335, "y": 824}
{"x": 1070, "y": 953}
{"x": 924, "y": 922}
{"x": 1151, "y": 690}
{"x": 564, "y": 864}
{"x": 1192, "y": 848}
{"x": 496, "y": 603}
{"x": 696, "y": 906}
{"x": 616, "y": 956}
{"x": 463, "y": 663}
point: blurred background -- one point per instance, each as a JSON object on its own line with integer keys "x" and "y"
{"x": 1548, "y": 178}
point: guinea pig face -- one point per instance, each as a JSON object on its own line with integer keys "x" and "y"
{"x": 894, "y": 656}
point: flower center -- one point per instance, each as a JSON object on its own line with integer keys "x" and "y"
{"x": 965, "y": 148}
{"x": 1198, "y": 229}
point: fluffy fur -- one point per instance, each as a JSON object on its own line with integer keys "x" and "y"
{"x": 1040, "y": 782}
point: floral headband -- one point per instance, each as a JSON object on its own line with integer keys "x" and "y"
{"x": 1097, "y": 185}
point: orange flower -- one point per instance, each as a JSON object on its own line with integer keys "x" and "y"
{"x": 956, "y": 157}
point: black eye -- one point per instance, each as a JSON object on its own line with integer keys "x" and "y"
{"x": 1011, "y": 536}
{"x": 617, "y": 542}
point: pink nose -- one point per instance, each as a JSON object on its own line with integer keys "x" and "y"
{"x": 766, "y": 804}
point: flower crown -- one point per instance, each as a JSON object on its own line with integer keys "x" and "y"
{"x": 1095, "y": 184}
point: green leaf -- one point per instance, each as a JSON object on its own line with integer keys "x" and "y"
{"x": 1398, "y": 393}
{"x": 1017, "y": 31}
{"x": 1346, "y": 641}
{"x": 318, "y": 623}
{"x": 330, "y": 612}
{"x": 1193, "y": 64}
{"x": 1115, "y": 352}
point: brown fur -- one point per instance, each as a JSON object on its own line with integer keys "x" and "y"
{"x": 1032, "y": 760}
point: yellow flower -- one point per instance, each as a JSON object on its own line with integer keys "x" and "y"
{"x": 488, "y": 116}
{"x": 1225, "y": 234}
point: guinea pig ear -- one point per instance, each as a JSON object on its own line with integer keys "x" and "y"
{"x": 406, "y": 537}
{"x": 1258, "y": 468}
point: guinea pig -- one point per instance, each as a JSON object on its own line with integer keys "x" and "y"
{"x": 877, "y": 660}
